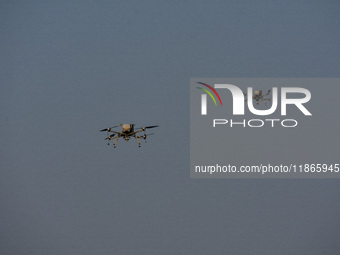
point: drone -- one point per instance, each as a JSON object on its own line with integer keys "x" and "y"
{"x": 258, "y": 96}
{"x": 128, "y": 131}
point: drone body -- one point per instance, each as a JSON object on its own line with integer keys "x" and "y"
{"x": 128, "y": 131}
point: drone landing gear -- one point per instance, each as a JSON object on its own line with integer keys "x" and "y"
{"x": 115, "y": 144}
{"x": 137, "y": 140}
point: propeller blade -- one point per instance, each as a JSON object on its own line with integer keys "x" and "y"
{"x": 110, "y": 137}
{"x": 151, "y": 126}
{"x": 109, "y": 129}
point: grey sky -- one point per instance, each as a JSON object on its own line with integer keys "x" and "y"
{"x": 71, "y": 68}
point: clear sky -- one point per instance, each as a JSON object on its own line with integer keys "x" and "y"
{"x": 70, "y": 68}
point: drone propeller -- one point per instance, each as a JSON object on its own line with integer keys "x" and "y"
{"x": 147, "y": 127}
{"x": 109, "y": 129}
{"x": 144, "y": 136}
{"x": 110, "y": 137}
{"x": 151, "y": 126}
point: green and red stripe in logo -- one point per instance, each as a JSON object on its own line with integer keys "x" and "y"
{"x": 209, "y": 93}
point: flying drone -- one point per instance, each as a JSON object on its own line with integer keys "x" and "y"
{"x": 257, "y": 95}
{"x": 126, "y": 133}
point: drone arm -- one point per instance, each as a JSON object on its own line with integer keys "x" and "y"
{"x": 134, "y": 133}
{"x": 143, "y": 129}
